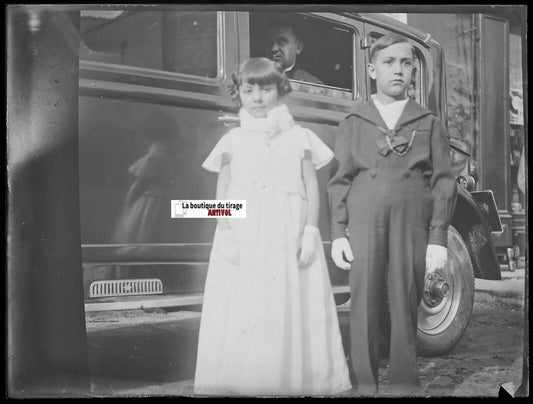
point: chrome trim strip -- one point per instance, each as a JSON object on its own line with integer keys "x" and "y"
{"x": 95, "y": 264}
{"x": 337, "y": 289}
{"x": 98, "y": 88}
{"x": 142, "y": 302}
{"x": 151, "y": 302}
{"x": 107, "y": 246}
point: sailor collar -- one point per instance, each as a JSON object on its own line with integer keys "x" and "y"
{"x": 391, "y": 140}
{"x": 411, "y": 112}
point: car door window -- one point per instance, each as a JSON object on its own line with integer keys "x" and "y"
{"x": 328, "y": 52}
{"x": 171, "y": 41}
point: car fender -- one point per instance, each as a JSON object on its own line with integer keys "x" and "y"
{"x": 474, "y": 228}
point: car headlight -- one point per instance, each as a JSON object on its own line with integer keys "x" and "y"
{"x": 467, "y": 182}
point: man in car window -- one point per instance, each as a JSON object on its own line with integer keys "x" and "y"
{"x": 284, "y": 45}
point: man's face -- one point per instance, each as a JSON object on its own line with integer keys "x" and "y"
{"x": 392, "y": 69}
{"x": 283, "y": 46}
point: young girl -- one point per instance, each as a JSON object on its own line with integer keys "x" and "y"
{"x": 269, "y": 323}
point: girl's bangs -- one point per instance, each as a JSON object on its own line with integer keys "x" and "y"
{"x": 260, "y": 74}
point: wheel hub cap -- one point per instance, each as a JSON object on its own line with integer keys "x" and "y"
{"x": 435, "y": 289}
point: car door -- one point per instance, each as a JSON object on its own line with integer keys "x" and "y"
{"x": 153, "y": 85}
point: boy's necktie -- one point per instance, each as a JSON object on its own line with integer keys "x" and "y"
{"x": 393, "y": 142}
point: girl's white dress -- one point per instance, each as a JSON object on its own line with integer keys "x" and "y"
{"x": 269, "y": 326}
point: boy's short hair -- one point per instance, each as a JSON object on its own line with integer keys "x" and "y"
{"x": 261, "y": 71}
{"x": 385, "y": 41}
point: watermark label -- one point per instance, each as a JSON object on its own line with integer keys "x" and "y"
{"x": 194, "y": 209}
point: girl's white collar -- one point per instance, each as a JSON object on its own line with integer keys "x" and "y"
{"x": 278, "y": 120}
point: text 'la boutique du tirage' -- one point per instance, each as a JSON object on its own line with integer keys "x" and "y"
{"x": 208, "y": 208}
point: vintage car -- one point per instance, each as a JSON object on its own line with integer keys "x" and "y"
{"x": 159, "y": 75}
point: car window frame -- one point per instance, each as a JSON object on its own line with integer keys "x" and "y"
{"x": 161, "y": 78}
{"x": 352, "y": 26}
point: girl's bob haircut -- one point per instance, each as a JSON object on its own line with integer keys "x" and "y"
{"x": 261, "y": 71}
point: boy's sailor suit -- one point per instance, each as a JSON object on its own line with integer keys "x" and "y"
{"x": 392, "y": 193}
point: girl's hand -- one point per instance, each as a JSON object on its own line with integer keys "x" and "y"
{"x": 340, "y": 248}
{"x": 308, "y": 244}
{"x": 436, "y": 257}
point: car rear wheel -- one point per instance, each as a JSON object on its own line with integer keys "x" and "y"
{"x": 446, "y": 306}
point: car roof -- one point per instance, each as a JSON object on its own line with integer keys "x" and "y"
{"x": 397, "y": 26}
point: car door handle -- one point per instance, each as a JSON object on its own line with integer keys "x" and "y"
{"x": 228, "y": 119}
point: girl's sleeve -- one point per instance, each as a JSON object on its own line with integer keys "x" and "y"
{"x": 315, "y": 149}
{"x": 219, "y": 156}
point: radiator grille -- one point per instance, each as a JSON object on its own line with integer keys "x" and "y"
{"x": 125, "y": 287}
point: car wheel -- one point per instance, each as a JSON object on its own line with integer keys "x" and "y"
{"x": 446, "y": 306}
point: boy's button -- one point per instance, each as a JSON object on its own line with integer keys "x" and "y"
{"x": 373, "y": 172}
{"x": 407, "y": 174}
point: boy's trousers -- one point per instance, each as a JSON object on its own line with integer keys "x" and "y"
{"x": 390, "y": 213}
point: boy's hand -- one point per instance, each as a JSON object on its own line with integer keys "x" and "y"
{"x": 308, "y": 245}
{"x": 436, "y": 257}
{"x": 340, "y": 248}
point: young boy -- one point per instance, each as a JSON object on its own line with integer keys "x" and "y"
{"x": 391, "y": 198}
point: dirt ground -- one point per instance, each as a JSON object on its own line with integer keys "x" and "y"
{"x": 153, "y": 354}
{"x": 488, "y": 355}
